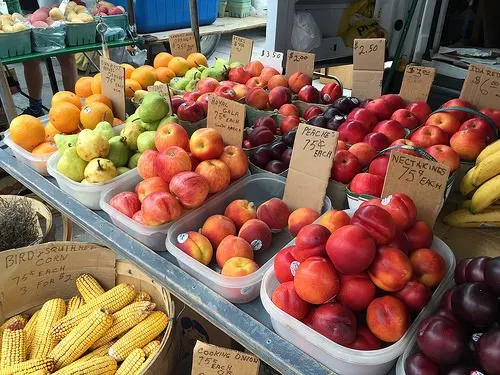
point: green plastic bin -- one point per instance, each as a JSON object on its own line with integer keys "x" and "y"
{"x": 222, "y": 8}
{"x": 48, "y": 39}
{"x": 119, "y": 21}
{"x": 15, "y": 44}
{"x": 79, "y": 34}
{"x": 239, "y": 8}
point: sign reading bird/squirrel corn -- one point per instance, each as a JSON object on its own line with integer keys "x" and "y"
{"x": 417, "y": 83}
{"x": 297, "y": 61}
{"x": 482, "y": 87}
{"x": 182, "y": 44}
{"x": 241, "y": 49}
{"x": 113, "y": 85}
{"x": 228, "y": 117}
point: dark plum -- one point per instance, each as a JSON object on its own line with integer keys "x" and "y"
{"x": 460, "y": 271}
{"x": 331, "y": 112}
{"x": 488, "y": 351}
{"x": 355, "y": 101}
{"x": 446, "y": 299}
{"x": 286, "y": 156}
{"x": 474, "y": 272}
{"x": 462, "y": 370}
{"x": 419, "y": 364}
{"x": 492, "y": 275}
{"x": 319, "y": 121}
{"x": 277, "y": 149}
{"x": 289, "y": 137}
{"x": 344, "y": 105}
{"x": 335, "y": 122}
{"x": 261, "y": 157}
{"x": 475, "y": 304}
{"x": 444, "y": 313}
{"x": 275, "y": 166}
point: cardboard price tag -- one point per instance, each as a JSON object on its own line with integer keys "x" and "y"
{"x": 482, "y": 87}
{"x": 213, "y": 360}
{"x": 113, "y": 85}
{"x": 182, "y": 44}
{"x": 369, "y": 54}
{"x": 417, "y": 83}
{"x": 162, "y": 89}
{"x": 241, "y": 49}
{"x": 367, "y": 84}
{"x": 228, "y": 117}
{"x": 297, "y": 61}
{"x": 310, "y": 167}
{"x": 422, "y": 180}
{"x": 273, "y": 59}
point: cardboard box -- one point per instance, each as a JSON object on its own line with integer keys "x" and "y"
{"x": 343, "y": 72}
{"x": 367, "y": 84}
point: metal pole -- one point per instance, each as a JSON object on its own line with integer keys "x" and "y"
{"x": 131, "y": 17}
{"x": 6, "y": 96}
{"x": 195, "y": 28}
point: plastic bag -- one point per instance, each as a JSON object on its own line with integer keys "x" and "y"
{"x": 306, "y": 34}
{"x": 48, "y": 39}
{"x": 129, "y": 55}
{"x": 113, "y": 34}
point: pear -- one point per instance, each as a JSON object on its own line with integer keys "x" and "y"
{"x": 132, "y": 163}
{"x": 119, "y": 153}
{"x": 133, "y": 117}
{"x": 91, "y": 145}
{"x": 64, "y": 141}
{"x": 131, "y": 132}
{"x": 153, "y": 107}
{"x": 193, "y": 73}
{"x": 221, "y": 64}
{"x": 139, "y": 96}
{"x": 235, "y": 64}
{"x": 100, "y": 170}
{"x": 149, "y": 126}
{"x": 201, "y": 68}
{"x": 179, "y": 83}
{"x": 85, "y": 182}
{"x": 146, "y": 141}
{"x": 218, "y": 74}
{"x": 191, "y": 86}
{"x": 122, "y": 170}
{"x": 168, "y": 120}
{"x": 105, "y": 129}
{"x": 70, "y": 165}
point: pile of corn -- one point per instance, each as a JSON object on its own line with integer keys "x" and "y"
{"x": 97, "y": 333}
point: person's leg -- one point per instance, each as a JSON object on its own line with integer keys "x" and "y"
{"x": 68, "y": 70}
{"x": 34, "y": 82}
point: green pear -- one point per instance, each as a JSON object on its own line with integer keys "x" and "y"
{"x": 179, "y": 83}
{"x": 122, "y": 170}
{"x": 132, "y": 163}
{"x": 192, "y": 73}
{"x": 100, "y": 170}
{"x": 201, "y": 68}
{"x": 235, "y": 64}
{"x": 105, "y": 129}
{"x": 153, "y": 108}
{"x": 64, "y": 141}
{"x": 85, "y": 182}
{"x": 191, "y": 86}
{"x": 221, "y": 63}
{"x": 91, "y": 145}
{"x": 168, "y": 120}
{"x": 218, "y": 74}
{"x": 146, "y": 141}
{"x": 119, "y": 153}
{"x": 131, "y": 132}
{"x": 139, "y": 96}
{"x": 149, "y": 126}
{"x": 70, "y": 165}
{"x": 133, "y": 117}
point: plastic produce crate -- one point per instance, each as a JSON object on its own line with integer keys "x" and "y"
{"x": 79, "y": 34}
{"x": 257, "y": 189}
{"x": 239, "y": 8}
{"x": 15, "y": 44}
{"x": 117, "y": 27}
{"x": 160, "y": 15}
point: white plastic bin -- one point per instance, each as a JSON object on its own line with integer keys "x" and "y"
{"x": 340, "y": 359}
{"x": 255, "y": 188}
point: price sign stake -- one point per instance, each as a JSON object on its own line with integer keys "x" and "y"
{"x": 273, "y": 59}
{"x": 228, "y": 117}
{"x": 482, "y": 87}
{"x": 113, "y": 85}
{"x": 369, "y": 54}
{"x": 241, "y": 49}
{"x": 297, "y": 61}
{"x": 424, "y": 181}
{"x": 417, "y": 83}
{"x": 310, "y": 167}
{"x": 182, "y": 44}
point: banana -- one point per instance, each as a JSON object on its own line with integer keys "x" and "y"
{"x": 489, "y": 150}
{"x": 466, "y": 204}
{"x": 485, "y": 195}
{"x": 466, "y": 186}
{"x": 463, "y": 218}
{"x": 488, "y": 168}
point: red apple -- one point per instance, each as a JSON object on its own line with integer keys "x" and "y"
{"x": 191, "y": 112}
{"x": 379, "y": 165}
{"x": 206, "y": 85}
{"x": 429, "y": 135}
{"x": 378, "y": 141}
{"x": 364, "y": 116}
{"x": 367, "y": 183}
{"x": 493, "y": 114}
{"x": 445, "y": 155}
{"x": 276, "y": 81}
{"x": 468, "y": 143}
{"x": 380, "y": 108}
{"x": 279, "y": 96}
{"x": 391, "y": 128}
{"x": 225, "y": 92}
{"x": 394, "y": 100}
{"x": 345, "y": 166}
{"x": 239, "y": 75}
{"x": 289, "y": 123}
{"x": 459, "y": 115}
{"x": 257, "y": 97}
{"x": 420, "y": 109}
{"x": 309, "y": 94}
{"x": 206, "y": 143}
{"x": 289, "y": 110}
{"x": 364, "y": 152}
{"x": 176, "y": 102}
{"x": 146, "y": 164}
{"x": 445, "y": 121}
{"x": 255, "y": 82}
{"x": 267, "y": 73}
{"x": 311, "y": 112}
{"x": 189, "y": 188}
{"x": 203, "y": 101}
{"x": 191, "y": 96}
{"x": 482, "y": 125}
{"x": 160, "y": 207}
{"x": 406, "y": 118}
{"x": 330, "y": 92}
{"x": 126, "y": 202}
{"x": 229, "y": 84}
{"x": 171, "y": 161}
{"x": 150, "y": 185}
{"x": 298, "y": 80}
{"x": 216, "y": 172}
{"x": 351, "y": 132}
{"x": 171, "y": 134}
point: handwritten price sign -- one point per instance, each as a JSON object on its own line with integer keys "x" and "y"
{"x": 417, "y": 83}
{"x": 273, "y": 59}
{"x": 182, "y": 44}
{"x": 241, "y": 49}
{"x": 113, "y": 85}
{"x": 297, "y": 61}
{"x": 228, "y": 117}
{"x": 482, "y": 87}
{"x": 369, "y": 54}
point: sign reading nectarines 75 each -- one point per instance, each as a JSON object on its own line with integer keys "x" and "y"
{"x": 182, "y": 44}
{"x": 482, "y": 87}
{"x": 369, "y": 54}
{"x": 310, "y": 167}
{"x": 417, "y": 83}
{"x": 241, "y": 49}
{"x": 228, "y": 117}
{"x": 113, "y": 85}
{"x": 422, "y": 180}
{"x": 297, "y": 61}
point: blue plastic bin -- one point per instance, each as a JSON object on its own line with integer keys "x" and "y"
{"x": 160, "y": 15}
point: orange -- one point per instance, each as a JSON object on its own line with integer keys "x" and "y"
{"x": 164, "y": 75}
{"x": 144, "y": 75}
{"x": 94, "y": 113}
{"x": 50, "y": 131}
{"x": 131, "y": 87}
{"x": 117, "y": 121}
{"x": 83, "y": 87}
{"x": 96, "y": 84}
{"x": 162, "y": 59}
{"x": 45, "y": 148}
{"x": 179, "y": 66}
{"x": 66, "y": 96}
{"x": 98, "y": 98}
{"x": 196, "y": 59}
{"x": 128, "y": 69}
{"x": 27, "y": 132}
{"x": 65, "y": 117}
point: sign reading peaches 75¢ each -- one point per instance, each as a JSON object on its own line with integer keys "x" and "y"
{"x": 310, "y": 167}
{"x": 424, "y": 181}
{"x": 228, "y": 118}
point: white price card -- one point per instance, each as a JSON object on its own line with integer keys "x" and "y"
{"x": 273, "y": 59}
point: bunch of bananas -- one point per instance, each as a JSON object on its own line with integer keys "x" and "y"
{"x": 482, "y": 182}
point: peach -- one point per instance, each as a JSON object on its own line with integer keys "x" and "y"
{"x": 254, "y": 68}
{"x": 274, "y": 213}
{"x": 171, "y": 161}
{"x": 238, "y": 267}
{"x": 285, "y": 265}
{"x": 298, "y": 80}
{"x": 150, "y": 185}
{"x": 387, "y": 318}
{"x": 257, "y": 234}
{"x": 286, "y": 298}
{"x": 335, "y": 322}
{"x": 399, "y": 206}
{"x": 419, "y": 235}
{"x": 377, "y": 222}
{"x": 206, "y": 144}
{"x": 279, "y": 96}
{"x": 364, "y": 152}
{"x": 171, "y": 134}
{"x": 310, "y": 241}
{"x": 267, "y": 73}
{"x": 289, "y": 109}
{"x": 276, "y": 81}
{"x": 230, "y": 247}
{"x": 216, "y": 172}
{"x": 415, "y": 295}
{"x": 316, "y": 280}
{"x": 189, "y": 188}
{"x": 237, "y": 161}
{"x": 257, "y": 97}
{"x": 289, "y": 123}
{"x": 468, "y": 143}
{"x": 365, "y": 340}
{"x": 196, "y": 245}
{"x": 216, "y": 228}
{"x": 300, "y": 218}
{"x": 391, "y": 269}
{"x": 428, "y": 266}
{"x": 160, "y": 207}
{"x": 356, "y": 291}
{"x": 255, "y": 82}
{"x": 240, "y": 211}
{"x": 334, "y": 219}
{"x": 146, "y": 164}
{"x": 240, "y": 91}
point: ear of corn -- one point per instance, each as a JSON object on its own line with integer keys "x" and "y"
{"x": 81, "y": 338}
{"x": 13, "y": 345}
{"x": 30, "y": 330}
{"x": 113, "y": 300}
{"x": 132, "y": 363}
{"x": 96, "y": 366}
{"x": 152, "y": 347}
{"x": 30, "y": 366}
{"x": 125, "y": 319}
{"x": 50, "y": 313}
{"x": 142, "y": 296}
{"x": 101, "y": 351}
{"x": 39, "y": 372}
{"x": 88, "y": 287}
{"x": 139, "y": 336}
{"x": 74, "y": 303}
{"x": 16, "y": 318}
